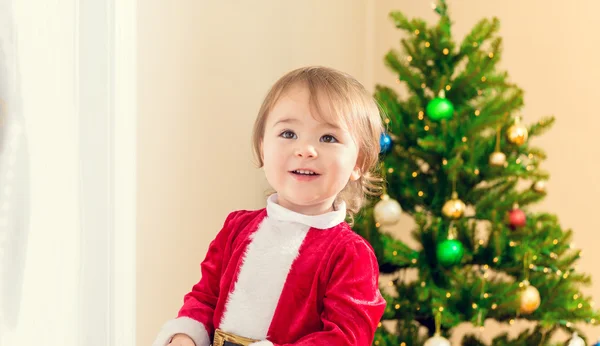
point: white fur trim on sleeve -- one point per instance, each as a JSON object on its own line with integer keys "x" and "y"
{"x": 183, "y": 325}
{"x": 262, "y": 343}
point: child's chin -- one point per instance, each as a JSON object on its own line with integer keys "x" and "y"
{"x": 301, "y": 202}
{"x": 306, "y": 201}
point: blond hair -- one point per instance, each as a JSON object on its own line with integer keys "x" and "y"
{"x": 347, "y": 101}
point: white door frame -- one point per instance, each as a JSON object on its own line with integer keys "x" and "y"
{"x": 105, "y": 49}
{"x": 107, "y": 104}
{"x": 125, "y": 172}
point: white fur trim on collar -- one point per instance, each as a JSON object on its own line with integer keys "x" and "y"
{"x": 183, "y": 325}
{"x": 323, "y": 221}
{"x": 262, "y": 343}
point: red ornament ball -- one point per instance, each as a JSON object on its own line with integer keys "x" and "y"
{"x": 517, "y": 218}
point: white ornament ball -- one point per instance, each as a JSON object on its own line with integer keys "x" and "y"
{"x": 387, "y": 211}
{"x": 437, "y": 340}
{"x": 576, "y": 340}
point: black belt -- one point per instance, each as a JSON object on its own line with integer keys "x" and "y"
{"x": 227, "y": 343}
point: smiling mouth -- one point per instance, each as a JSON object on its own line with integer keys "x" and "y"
{"x": 305, "y": 172}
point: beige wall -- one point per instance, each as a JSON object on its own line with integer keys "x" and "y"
{"x": 205, "y": 66}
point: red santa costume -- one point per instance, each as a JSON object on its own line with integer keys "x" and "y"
{"x": 284, "y": 278}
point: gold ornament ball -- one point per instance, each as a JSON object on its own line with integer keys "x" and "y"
{"x": 540, "y": 186}
{"x": 530, "y": 300}
{"x": 517, "y": 134}
{"x": 454, "y": 208}
{"x": 387, "y": 211}
{"x": 498, "y": 159}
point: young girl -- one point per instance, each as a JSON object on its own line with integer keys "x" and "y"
{"x": 294, "y": 273}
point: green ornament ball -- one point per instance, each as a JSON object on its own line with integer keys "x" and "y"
{"x": 450, "y": 252}
{"x": 440, "y": 108}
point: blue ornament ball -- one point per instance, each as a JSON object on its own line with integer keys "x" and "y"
{"x": 385, "y": 143}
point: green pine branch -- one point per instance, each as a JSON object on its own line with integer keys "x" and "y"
{"x": 430, "y": 159}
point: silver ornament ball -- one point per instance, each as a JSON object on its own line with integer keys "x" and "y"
{"x": 387, "y": 211}
{"x": 437, "y": 340}
{"x": 576, "y": 341}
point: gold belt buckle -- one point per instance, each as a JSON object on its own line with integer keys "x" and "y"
{"x": 221, "y": 337}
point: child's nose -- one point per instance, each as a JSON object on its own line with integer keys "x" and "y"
{"x": 306, "y": 151}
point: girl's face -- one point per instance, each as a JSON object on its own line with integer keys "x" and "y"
{"x": 307, "y": 161}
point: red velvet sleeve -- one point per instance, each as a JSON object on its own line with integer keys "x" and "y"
{"x": 199, "y": 304}
{"x": 352, "y": 304}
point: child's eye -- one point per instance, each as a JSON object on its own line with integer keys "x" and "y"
{"x": 329, "y": 139}
{"x": 288, "y": 134}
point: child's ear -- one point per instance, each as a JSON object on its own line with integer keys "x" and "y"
{"x": 355, "y": 175}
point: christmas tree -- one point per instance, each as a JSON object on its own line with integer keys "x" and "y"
{"x": 457, "y": 159}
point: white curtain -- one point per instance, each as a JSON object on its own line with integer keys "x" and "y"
{"x": 58, "y": 276}
{"x": 14, "y": 180}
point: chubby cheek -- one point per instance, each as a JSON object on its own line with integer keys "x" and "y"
{"x": 271, "y": 154}
{"x": 344, "y": 164}
{"x": 274, "y": 163}
{"x": 342, "y": 175}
